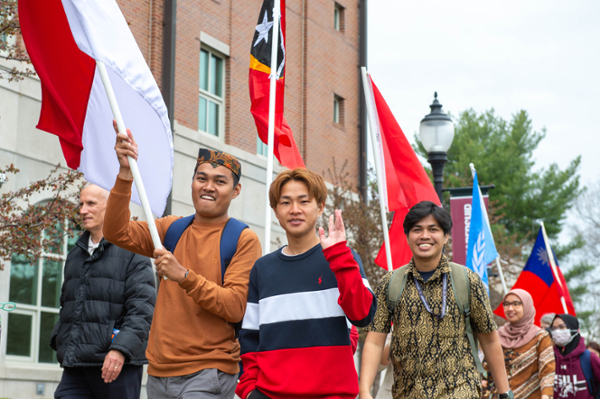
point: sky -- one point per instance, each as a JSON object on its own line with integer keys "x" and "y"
{"x": 539, "y": 56}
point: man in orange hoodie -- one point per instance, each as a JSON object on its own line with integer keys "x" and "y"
{"x": 192, "y": 345}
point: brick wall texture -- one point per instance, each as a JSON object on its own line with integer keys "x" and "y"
{"x": 321, "y": 62}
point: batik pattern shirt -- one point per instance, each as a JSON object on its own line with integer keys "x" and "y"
{"x": 432, "y": 358}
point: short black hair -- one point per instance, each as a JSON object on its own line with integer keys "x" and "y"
{"x": 423, "y": 209}
{"x": 236, "y": 179}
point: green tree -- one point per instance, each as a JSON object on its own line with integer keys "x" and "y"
{"x": 502, "y": 152}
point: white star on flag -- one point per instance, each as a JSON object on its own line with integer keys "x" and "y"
{"x": 263, "y": 30}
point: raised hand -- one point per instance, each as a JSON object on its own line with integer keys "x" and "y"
{"x": 124, "y": 147}
{"x": 337, "y": 233}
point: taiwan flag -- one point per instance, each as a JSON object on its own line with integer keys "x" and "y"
{"x": 285, "y": 148}
{"x": 545, "y": 284}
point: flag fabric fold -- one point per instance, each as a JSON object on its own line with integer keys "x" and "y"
{"x": 406, "y": 182}
{"x": 543, "y": 284}
{"x": 64, "y": 40}
{"x": 285, "y": 148}
{"x": 481, "y": 249}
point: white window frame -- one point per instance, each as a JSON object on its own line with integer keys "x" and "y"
{"x": 338, "y": 110}
{"x": 261, "y": 148}
{"x": 338, "y": 17}
{"x": 206, "y": 94}
{"x": 36, "y": 310}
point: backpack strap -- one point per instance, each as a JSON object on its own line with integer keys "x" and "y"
{"x": 230, "y": 236}
{"x": 175, "y": 231}
{"x": 396, "y": 287}
{"x": 462, "y": 293}
{"x": 586, "y": 367}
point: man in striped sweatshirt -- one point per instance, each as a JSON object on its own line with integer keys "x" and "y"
{"x": 302, "y": 301}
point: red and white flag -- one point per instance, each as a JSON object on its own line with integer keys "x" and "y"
{"x": 64, "y": 40}
{"x": 405, "y": 181}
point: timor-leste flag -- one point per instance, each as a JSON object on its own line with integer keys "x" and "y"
{"x": 285, "y": 148}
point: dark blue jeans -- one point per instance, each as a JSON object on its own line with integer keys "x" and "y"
{"x": 87, "y": 383}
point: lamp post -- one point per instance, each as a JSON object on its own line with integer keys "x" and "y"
{"x": 436, "y": 133}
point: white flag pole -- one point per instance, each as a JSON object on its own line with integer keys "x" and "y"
{"x": 380, "y": 181}
{"x": 271, "y": 134}
{"x": 553, "y": 266}
{"x": 487, "y": 220}
{"x": 501, "y": 275}
{"x": 137, "y": 178}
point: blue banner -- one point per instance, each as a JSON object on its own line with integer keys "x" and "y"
{"x": 481, "y": 249}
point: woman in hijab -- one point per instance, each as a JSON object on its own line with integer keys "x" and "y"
{"x": 570, "y": 379}
{"x": 528, "y": 354}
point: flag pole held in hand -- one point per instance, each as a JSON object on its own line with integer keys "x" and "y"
{"x": 137, "y": 178}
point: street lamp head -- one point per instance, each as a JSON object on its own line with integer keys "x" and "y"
{"x": 436, "y": 130}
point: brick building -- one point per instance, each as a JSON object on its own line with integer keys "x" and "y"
{"x": 210, "y": 109}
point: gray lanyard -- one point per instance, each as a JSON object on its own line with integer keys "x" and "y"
{"x": 444, "y": 296}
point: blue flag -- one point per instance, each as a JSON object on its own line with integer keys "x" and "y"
{"x": 481, "y": 250}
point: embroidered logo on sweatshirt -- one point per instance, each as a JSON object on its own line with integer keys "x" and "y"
{"x": 320, "y": 279}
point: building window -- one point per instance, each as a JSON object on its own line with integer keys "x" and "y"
{"x": 261, "y": 148}
{"x": 338, "y": 18}
{"x": 211, "y": 93}
{"x": 36, "y": 288}
{"x": 338, "y": 109}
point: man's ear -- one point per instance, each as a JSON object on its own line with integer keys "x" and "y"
{"x": 446, "y": 236}
{"x": 321, "y": 208}
{"x": 236, "y": 190}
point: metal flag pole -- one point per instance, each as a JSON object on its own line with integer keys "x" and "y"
{"x": 553, "y": 266}
{"x": 271, "y": 133}
{"x": 373, "y": 131}
{"x": 137, "y": 178}
{"x": 487, "y": 220}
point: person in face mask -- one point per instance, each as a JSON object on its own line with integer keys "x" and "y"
{"x": 570, "y": 380}
{"x": 528, "y": 354}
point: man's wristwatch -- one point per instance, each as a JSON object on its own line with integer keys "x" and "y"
{"x": 507, "y": 395}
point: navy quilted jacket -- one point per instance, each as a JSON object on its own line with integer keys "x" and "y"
{"x": 113, "y": 288}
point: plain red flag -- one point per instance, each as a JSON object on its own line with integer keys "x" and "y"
{"x": 285, "y": 148}
{"x": 406, "y": 181}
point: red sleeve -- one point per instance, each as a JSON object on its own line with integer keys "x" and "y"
{"x": 356, "y": 299}
{"x": 354, "y": 338}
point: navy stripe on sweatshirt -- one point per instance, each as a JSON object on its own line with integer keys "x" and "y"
{"x": 303, "y": 334}
{"x": 282, "y": 274}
